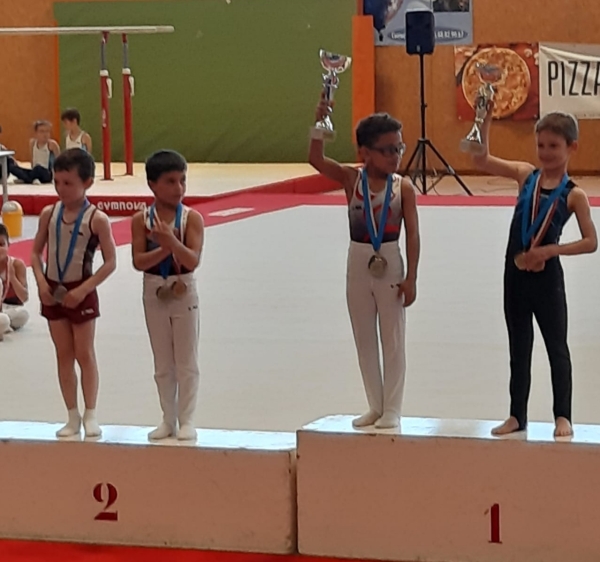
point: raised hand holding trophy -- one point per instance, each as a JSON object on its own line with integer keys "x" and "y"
{"x": 488, "y": 74}
{"x": 334, "y": 64}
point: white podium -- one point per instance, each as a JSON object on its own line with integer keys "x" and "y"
{"x": 446, "y": 491}
{"x": 230, "y": 491}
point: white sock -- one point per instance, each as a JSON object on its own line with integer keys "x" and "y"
{"x": 389, "y": 420}
{"x": 90, "y": 424}
{"x": 366, "y": 419}
{"x": 163, "y": 431}
{"x": 73, "y": 426}
{"x": 187, "y": 432}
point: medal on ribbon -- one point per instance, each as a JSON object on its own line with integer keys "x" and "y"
{"x": 377, "y": 264}
{"x": 61, "y": 291}
{"x": 178, "y": 288}
{"x": 537, "y": 214}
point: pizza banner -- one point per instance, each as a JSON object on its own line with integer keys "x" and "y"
{"x": 570, "y": 79}
{"x": 453, "y": 20}
{"x": 516, "y": 91}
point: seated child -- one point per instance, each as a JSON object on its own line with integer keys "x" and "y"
{"x": 76, "y": 137}
{"x": 13, "y": 288}
{"x": 44, "y": 151}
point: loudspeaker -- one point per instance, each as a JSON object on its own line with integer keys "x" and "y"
{"x": 420, "y": 32}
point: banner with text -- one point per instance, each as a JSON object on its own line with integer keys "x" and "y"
{"x": 570, "y": 79}
{"x": 517, "y": 88}
{"x": 453, "y": 20}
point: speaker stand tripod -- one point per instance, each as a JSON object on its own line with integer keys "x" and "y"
{"x": 419, "y": 156}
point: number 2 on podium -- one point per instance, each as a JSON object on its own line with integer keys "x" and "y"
{"x": 112, "y": 495}
{"x": 495, "y": 524}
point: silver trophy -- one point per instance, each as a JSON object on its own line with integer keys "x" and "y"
{"x": 488, "y": 74}
{"x": 334, "y": 65}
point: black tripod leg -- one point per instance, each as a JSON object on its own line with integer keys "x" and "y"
{"x": 411, "y": 159}
{"x": 450, "y": 169}
{"x": 416, "y": 156}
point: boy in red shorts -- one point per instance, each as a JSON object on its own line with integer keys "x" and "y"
{"x": 71, "y": 230}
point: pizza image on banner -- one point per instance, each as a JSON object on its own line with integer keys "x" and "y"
{"x": 517, "y": 88}
{"x": 570, "y": 79}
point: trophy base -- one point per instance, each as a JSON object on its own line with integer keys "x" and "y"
{"x": 324, "y": 133}
{"x": 472, "y": 147}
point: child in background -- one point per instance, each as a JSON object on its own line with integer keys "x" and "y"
{"x": 13, "y": 288}
{"x": 44, "y": 151}
{"x": 76, "y": 137}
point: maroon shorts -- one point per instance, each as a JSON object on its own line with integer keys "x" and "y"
{"x": 89, "y": 309}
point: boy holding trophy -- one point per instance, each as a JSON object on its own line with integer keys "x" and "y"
{"x": 378, "y": 285}
{"x": 534, "y": 283}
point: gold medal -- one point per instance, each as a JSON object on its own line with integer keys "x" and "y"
{"x": 377, "y": 265}
{"x": 60, "y": 293}
{"x": 179, "y": 288}
{"x": 520, "y": 261}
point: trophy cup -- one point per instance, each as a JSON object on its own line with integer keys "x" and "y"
{"x": 488, "y": 74}
{"x": 334, "y": 65}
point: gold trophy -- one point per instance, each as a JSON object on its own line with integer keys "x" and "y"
{"x": 488, "y": 74}
{"x": 334, "y": 64}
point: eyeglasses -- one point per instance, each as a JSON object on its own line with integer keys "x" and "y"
{"x": 390, "y": 150}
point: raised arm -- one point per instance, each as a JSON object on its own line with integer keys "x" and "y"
{"x": 513, "y": 169}
{"x": 344, "y": 175}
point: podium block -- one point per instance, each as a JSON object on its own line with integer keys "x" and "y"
{"x": 230, "y": 491}
{"x": 447, "y": 491}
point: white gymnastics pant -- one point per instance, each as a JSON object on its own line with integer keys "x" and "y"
{"x": 12, "y": 317}
{"x": 372, "y": 301}
{"x": 174, "y": 330}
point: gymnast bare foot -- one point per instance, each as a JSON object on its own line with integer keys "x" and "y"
{"x": 563, "y": 428}
{"x": 509, "y": 426}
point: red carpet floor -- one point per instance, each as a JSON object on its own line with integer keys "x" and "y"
{"x": 25, "y": 551}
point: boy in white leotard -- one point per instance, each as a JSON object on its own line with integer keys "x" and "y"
{"x": 167, "y": 242}
{"x": 44, "y": 151}
{"x": 13, "y": 288}
{"x": 76, "y": 137}
{"x": 378, "y": 287}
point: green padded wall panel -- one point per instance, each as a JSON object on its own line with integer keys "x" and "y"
{"x": 238, "y": 81}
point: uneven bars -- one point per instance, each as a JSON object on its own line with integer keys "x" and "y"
{"x": 130, "y": 30}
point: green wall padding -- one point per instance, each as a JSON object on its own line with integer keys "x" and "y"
{"x": 238, "y": 81}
